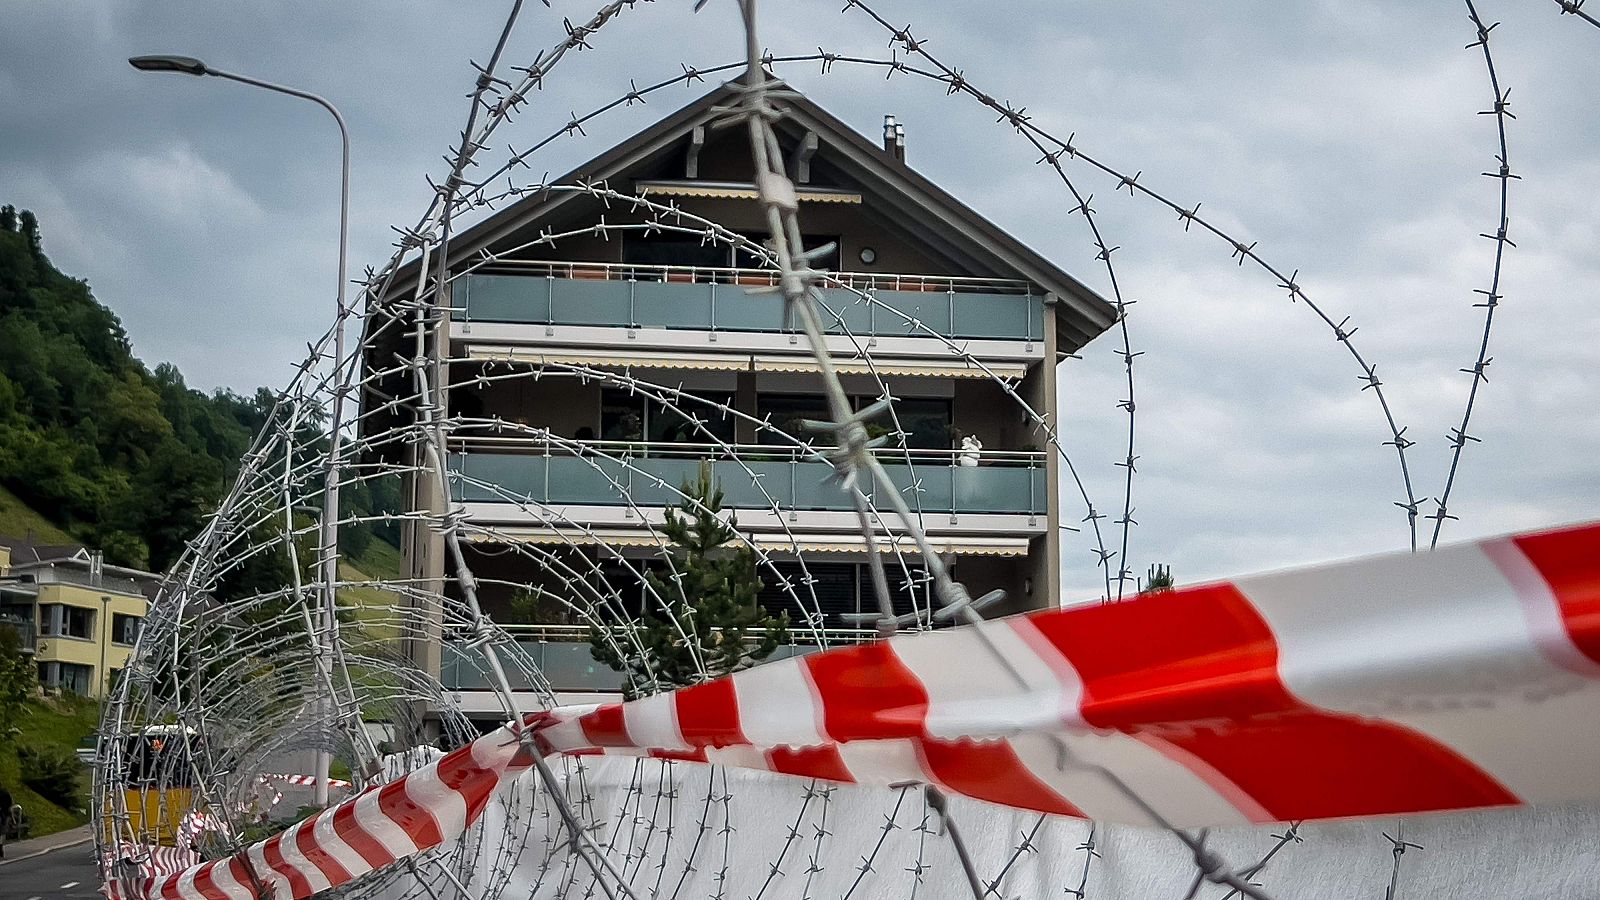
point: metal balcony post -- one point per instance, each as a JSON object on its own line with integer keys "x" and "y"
{"x": 545, "y": 496}
{"x": 953, "y": 504}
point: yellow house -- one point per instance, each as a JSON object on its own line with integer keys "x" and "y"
{"x": 77, "y": 615}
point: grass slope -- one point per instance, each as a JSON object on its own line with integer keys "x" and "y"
{"x": 372, "y": 607}
{"x": 54, "y": 722}
{"x": 17, "y": 519}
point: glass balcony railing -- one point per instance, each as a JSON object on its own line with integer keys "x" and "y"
{"x": 561, "y": 654}
{"x": 708, "y": 299}
{"x": 648, "y": 476}
{"x": 25, "y": 631}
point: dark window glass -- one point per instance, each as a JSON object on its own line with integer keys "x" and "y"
{"x": 834, "y": 585}
{"x": 676, "y": 426}
{"x": 633, "y": 417}
{"x": 125, "y": 628}
{"x": 827, "y": 263}
{"x": 60, "y": 620}
{"x": 925, "y": 422}
{"x": 621, "y": 416}
{"x": 674, "y": 250}
{"x": 785, "y": 412}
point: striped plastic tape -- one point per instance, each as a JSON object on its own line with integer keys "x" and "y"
{"x": 1464, "y": 678}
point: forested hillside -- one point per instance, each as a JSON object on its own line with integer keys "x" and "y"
{"x": 122, "y": 458}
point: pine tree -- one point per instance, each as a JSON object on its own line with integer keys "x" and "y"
{"x": 715, "y": 622}
{"x": 1158, "y": 579}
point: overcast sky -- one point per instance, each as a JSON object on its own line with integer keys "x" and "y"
{"x": 1341, "y": 134}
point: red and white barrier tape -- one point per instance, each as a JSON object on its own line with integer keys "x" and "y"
{"x": 305, "y": 780}
{"x": 1468, "y": 677}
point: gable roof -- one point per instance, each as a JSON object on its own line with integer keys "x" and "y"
{"x": 926, "y": 211}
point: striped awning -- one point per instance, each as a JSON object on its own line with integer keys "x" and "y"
{"x": 635, "y": 359}
{"x": 956, "y": 368}
{"x": 739, "y": 362}
{"x": 724, "y": 190}
{"x": 955, "y": 545}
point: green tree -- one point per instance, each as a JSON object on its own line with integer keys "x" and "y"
{"x": 126, "y": 459}
{"x": 17, "y": 683}
{"x": 1157, "y": 579}
{"x": 536, "y": 606}
{"x": 713, "y": 618}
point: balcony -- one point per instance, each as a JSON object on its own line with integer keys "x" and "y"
{"x": 561, "y": 653}
{"x": 24, "y": 629}
{"x": 646, "y": 475}
{"x": 742, "y": 300}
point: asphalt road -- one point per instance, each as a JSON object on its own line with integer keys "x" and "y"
{"x": 65, "y": 874}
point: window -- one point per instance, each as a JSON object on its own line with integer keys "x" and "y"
{"x": 60, "y": 620}
{"x": 125, "y": 628}
{"x": 674, "y": 250}
{"x": 926, "y": 422}
{"x": 626, "y": 416}
{"x": 67, "y": 676}
{"x": 786, "y": 412}
{"x": 827, "y": 263}
{"x": 839, "y": 588}
{"x": 691, "y": 251}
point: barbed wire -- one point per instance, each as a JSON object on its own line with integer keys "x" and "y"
{"x": 1575, "y": 8}
{"x": 319, "y": 692}
{"x": 1501, "y": 110}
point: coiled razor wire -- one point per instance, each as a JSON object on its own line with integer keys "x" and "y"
{"x": 240, "y": 670}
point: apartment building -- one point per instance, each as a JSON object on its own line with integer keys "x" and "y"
{"x": 967, "y": 330}
{"x": 77, "y": 616}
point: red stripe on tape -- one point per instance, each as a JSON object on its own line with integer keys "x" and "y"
{"x": 1315, "y": 765}
{"x": 811, "y": 762}
{"x": 990, "y": 771}
{"x": 272, "y": 852}
{"x": 708, "y": 714}
{"x": 473, "y": 781}
{"x": 1206, "y": 655}
{"x": 205, "y": 881}
{"x": 349, "y": 830}
{"x": 698, "y": 756}
{"x": 168, "y": 886}
{"x": 313, "y": 851}
{"x": 1569, "y": 562}
{"x": 605, "y": 727}
{"x": 417, "y": 823}
{"x": 867, "y": 694}
{"x": 239, "y": 868}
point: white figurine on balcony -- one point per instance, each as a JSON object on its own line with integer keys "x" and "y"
{"x": 971, "y": 447}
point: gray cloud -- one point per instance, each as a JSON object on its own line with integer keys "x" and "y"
{"x": 1343, "y": 135}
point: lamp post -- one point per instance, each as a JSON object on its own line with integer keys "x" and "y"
{"x": 328, "y": 534}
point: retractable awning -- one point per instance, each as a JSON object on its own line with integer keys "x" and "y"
{"x": 738, "y": 362}
{"x": 962, "y": 545}
{"x": 727, "y": 190}
{"x": 636, "y": 359}
{"x": 956, "y": 368}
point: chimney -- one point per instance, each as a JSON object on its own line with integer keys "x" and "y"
{"x": 894, "y": 138}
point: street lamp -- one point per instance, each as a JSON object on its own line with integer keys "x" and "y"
{"x": 329, "y": 532}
